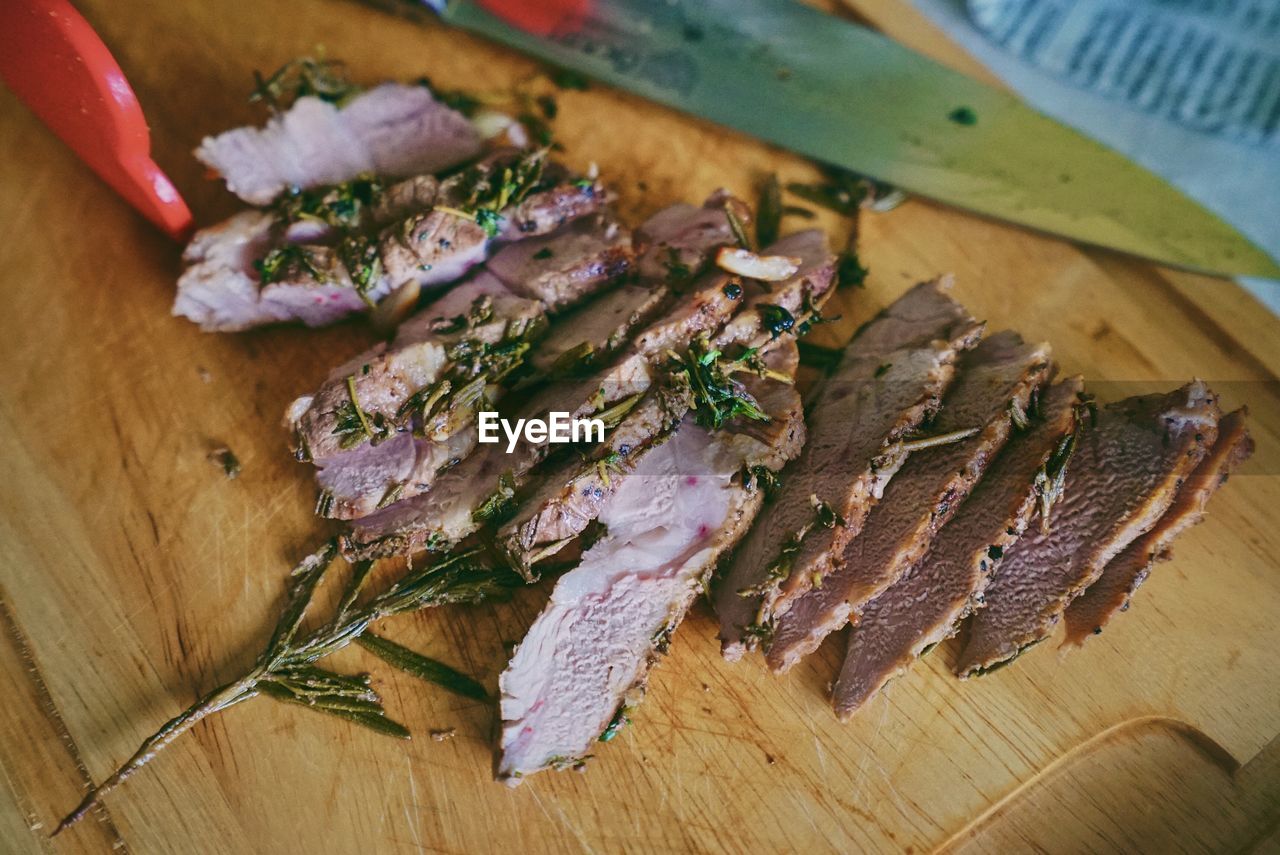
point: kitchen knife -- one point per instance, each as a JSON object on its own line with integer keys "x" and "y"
{"x": 842, "y": 94}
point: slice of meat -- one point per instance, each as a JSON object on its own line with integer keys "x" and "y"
{"x": 482, "y": 486}
{"x": 1121, "y": 479}
{"x": 890, "y": 380}
{"x": 773, "y": 308}
{"x": 1112, "y": 591}
{"x": 681, "y": 240}
{"x": 564, "y": 268}
{"x": 219, "y": 288}
{"x": 570, "y": 497}
{"x": 477, "y": 313}
{"x": 591, "y": 334}
{"x": 996, "y": 380}
{"x": 928, "y": 602}
{"x": 582, "y": 667}
{"x": 391, "y": 130}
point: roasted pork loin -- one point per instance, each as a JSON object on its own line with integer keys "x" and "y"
{"x": 392, "y": 129}
{"x": 582, "y": 667}
{"x": 928, "y": 602}
{"x": 1123, "y": 476}
{"x": 889, "y": 381}
{"x": 1114, "y": 589}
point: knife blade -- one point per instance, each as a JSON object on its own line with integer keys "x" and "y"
{"x": 843, "y": 94}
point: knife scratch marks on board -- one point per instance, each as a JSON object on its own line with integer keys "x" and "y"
{"x": 409, "y": 814}
{"x": 51, "y": 713}
{"x": 564, "y": 820}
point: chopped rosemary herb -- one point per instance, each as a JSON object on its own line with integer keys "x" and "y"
{"x": 501, "y": 501}
{"x": 326, "y": 79}
{"x": 619, "y": 721}
{"x": 761, "y": 478}
{"x": 543, "y": 254}
{"x": 567, "y": 78}
{"x": 489, "y": 193}
{"x": 226, "y": 459}
{"x": 717, "y": 397}
{"x": 769, "y": 211}
{"x": 284, "y": 260}
{"x": 574, "y": 361}
{"x": 849, "y": 271}
{"x": 364, "y": 264}
{"x": 614, "y": 415}
{"x": 339, "y": 205}
{"x": 737, "y": 228}
{"x": 1051, "y": 478}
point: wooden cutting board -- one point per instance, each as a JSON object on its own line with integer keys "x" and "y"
{"x": 135, "y": 574}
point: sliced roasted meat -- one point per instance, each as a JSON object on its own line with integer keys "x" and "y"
{"x": 681, "y": 240}
{"x": 790, "y": 306}
{"x": 592, "y": 334}
{"x": 1113, "y": 590}
{"x": 424, "y": 390}
{"x": 890, "y": 380}
{"x": 335, "y": 251}
{"x": 571, "y": 496}
{"x": 482, "y": 487}
{"x": 928, "y": 602}
{"x": 996, "y": 381}
{"x": 564, "y": 268}
{"x": 582, "y": 667}
{"x": 1122, "y": 478}
{"x": 391, "y": 130}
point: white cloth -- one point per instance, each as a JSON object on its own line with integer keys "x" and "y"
{"x": 1190, "y": 89}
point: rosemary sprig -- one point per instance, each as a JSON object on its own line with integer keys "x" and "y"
{"x": 769, "y": 211}
{"x": 324, "y": 78}
{"x": 717, "y": 397}
{"x": 422, "y": 667}
{"x": 286, "y": 668}
{"x": 486, "y": 197}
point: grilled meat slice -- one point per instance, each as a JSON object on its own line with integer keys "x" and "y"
{"x": 391, "y": 130}
{"x": 997, "y": 379}
{"x": 482, "y": 486}
{"x": 444, "y": 363}
{"x": 593, "y": 333}
{"x": 889, "y": 381}
{"x": 1114, "y": 589}
{"x": 926, "y": 605}
{"x": 1122, "y": 478}
{"x": 564, "y": 268}
{"x": 569, "y": 498}
{"x": 582, "y": 667}
{"x": 681, "y": 240}
{"x": 329, "y": 253}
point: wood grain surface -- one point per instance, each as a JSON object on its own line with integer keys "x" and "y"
{"x": 136, "y": 575}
